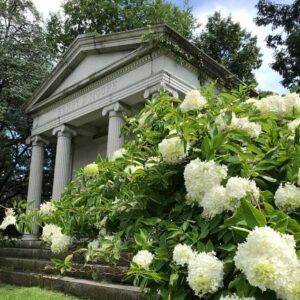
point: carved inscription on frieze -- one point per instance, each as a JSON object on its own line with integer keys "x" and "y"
{"x": 88, "y": 98}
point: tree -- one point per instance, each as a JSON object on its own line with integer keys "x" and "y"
{"x": 229, "y": 44}
{"x": 24, "y": 62}
{"x": 286, "y": 43}
{"x": 105, "y": 16}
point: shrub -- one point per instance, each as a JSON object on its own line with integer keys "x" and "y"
{"x": 216, "y": 181}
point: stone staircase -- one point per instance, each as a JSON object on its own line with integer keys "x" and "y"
{"x": 24, "y": 264}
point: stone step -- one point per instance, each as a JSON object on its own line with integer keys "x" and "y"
{"x": 69, "y": 285}
{"x": 29, "y": 253}
{"x": 47, "y": 254}
{"x": 26, "y": 244}
{"x": 103, "y": 272}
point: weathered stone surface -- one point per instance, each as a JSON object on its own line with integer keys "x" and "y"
{"x": 104, "y": 272}
{"x": 76, "y": 287}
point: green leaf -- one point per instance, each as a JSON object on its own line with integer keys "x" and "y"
{"x": 151, "y": 221}
{"x": 173, "y": 279}
{"x": 68, "y": 259}
{"x": 253, "y": 216}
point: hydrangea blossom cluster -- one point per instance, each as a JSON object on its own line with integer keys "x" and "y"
{"x": 287, "y": 197}
{"x": 118, "y": 154}
{"x": 9, "y": 219}
{"x": 269, "y": 261}
{"x": 203, "y": 185}
{"x": 91, "y": 170}
{"x": 252, "y": 128}
{"x": 143, "y": 258}
{"x": 193, "y": 101}
{"x": 172, "y": 150}
{"x": 220, "y": 198}
{"x": 237, "y": 188}
{"x": 205, "y": 270}
{"x": 47, "y": 208}
{"x": 214, "y": 202}
{"x": 235, "y": 297}
{"x": 279, "y": 105}
{"x": 182, "y": 254}
{"x": 292, "y": 126}
{"x": 59, "y": 242}
{"x": 201, "y": 176}
{"x": 205, "y": 274}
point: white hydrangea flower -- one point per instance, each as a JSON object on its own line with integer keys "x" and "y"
{"x": 267, "y": 258}
{"x": 193, "y": 101}
{"x": 214, "y": 202}
{"x": 49, "y": 231}
{"x": 132, "y": 169}
{"x": 291, "y": 101}
{"x": 47, "y": 208}
{"x": 279, "y": 105}
{"x": 205, "y": 274}
{"x": 287, "y": 197}
{"x": 250, "y": 100}
{"x": 237, "y": 188}
{"x": 118, "y": 154}
{"x": 60, "y": 243}
{"x": 91, "y": 170}
{"x": 272, "y": 103}
{"x": 252, "y": 128}
{"x": 143, "y": 258}
{"x": 292, "y": 290}
{"x": 9, "y": 219}
{"x": 182, "y": 254}
{"x": 172, "y": 150}
{"x": 201, "y": 176}
{"x": 293, "y": 125}
{"x": 235, "y": 297}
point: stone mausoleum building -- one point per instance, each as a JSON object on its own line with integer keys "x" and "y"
{"x": 79, "y": 106}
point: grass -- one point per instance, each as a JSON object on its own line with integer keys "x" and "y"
{"x": 10, "y": 292}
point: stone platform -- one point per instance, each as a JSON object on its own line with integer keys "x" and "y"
{"x": 24, "y": 264}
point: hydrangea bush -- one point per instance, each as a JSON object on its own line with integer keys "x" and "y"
{"x": 204, "y": 199}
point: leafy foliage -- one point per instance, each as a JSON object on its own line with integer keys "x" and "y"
{"x": 285, "y": 43}
{"x": 147, "y": 209}
{"x": 112, "y": 16}
{"x": 229, "y": 44}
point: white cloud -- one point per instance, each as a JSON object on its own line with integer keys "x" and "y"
{"x": 47, "y": 6}
{"x": 267, "y": 78}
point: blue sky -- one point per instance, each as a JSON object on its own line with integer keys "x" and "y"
{"x": 242, "y": 11}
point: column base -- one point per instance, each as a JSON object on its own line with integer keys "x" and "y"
{"x": 30, "y": 237}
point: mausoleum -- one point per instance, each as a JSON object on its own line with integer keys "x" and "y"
{"x": 79, "y": 106}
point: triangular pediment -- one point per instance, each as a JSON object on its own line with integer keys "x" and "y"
{"x": 92, "y": 56}
{"x": 88, "y": 66}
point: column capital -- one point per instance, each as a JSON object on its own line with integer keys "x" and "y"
{"x": 117, "y": 107}
{"x": 150, "y": 91}
{"x": 64, "y": 130}
{"x": 37, "y": 140}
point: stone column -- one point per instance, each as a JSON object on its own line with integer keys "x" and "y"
{"x": 35, "y": 180}
{"x": 63, "y": 163}
{"x": 115, "y": 122}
